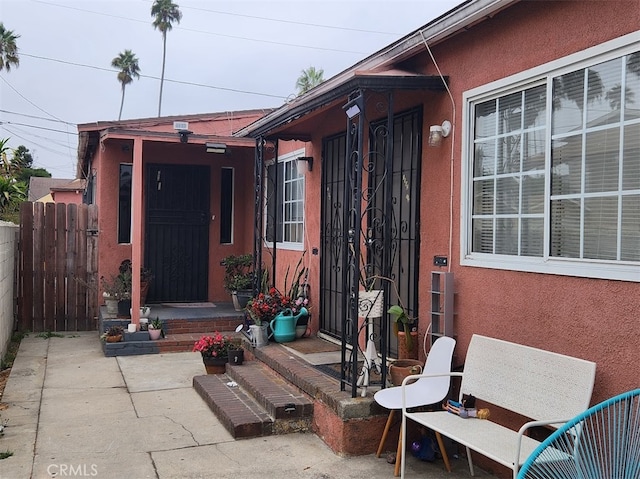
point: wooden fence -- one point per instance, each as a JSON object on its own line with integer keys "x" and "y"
{"x": 57, "y": 267}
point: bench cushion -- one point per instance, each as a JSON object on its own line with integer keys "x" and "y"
{"x": 490, "y": 439}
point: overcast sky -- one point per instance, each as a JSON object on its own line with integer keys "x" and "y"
{"x": 224, "y": 55}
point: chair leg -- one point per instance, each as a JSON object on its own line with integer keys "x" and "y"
{"x": 470, "y": 460}
{"x": 396, "y": 471}
{"x": 443, "y": 451}
{"x": 387, "y": 426}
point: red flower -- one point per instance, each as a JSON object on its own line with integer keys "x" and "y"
{"x": 265, "y": 307}
{"x": 216, "y": 346}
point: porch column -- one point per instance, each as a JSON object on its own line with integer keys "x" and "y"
{"x": 136, "y": 230}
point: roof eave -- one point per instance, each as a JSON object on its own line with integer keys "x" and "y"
{"x": 463, "y": 16}
{"x": 356, "y": 82}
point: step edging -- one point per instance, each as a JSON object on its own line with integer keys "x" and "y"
{"x": 245, "y": 418}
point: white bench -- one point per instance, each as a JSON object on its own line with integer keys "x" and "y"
{"x": 546, "y": 387}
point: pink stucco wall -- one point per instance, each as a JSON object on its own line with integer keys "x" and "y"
{"x": 67, "y": 197}
{"x": 111, "y": 253}
{"x": 598, "y": 320}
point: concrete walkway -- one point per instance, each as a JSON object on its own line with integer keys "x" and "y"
{"x": 75, "y": 413}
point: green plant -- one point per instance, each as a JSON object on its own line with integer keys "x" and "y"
{"x": 114, "y": 287}
{"x": 50, "y": 334}
{"x": 112, "y": 331}
{"x": 155, "y": 323}
{"x": 119, "y": 286}
{"x": 216, "y": 346}
{"x": 238, "y": 272}
{"x": 400, "y": 317}
{"x": 6, "y": 454}
{"x": 298, "y": 285}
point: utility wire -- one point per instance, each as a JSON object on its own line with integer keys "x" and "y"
{"x": 181, "y": 82}
{"x": 46, "y": 138}
{"x": 29, "y": 101}
{"x": 235, "y": 37}
{"x": 37, "y": 117}
{"x": 50, "y": 150}
{"x": 38, "y": 127}
{"x": 290, "y": 22}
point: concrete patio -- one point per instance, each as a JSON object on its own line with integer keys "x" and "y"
{"x": 73, "y": 411}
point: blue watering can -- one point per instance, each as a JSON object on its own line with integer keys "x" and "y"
{"x": 283, "y": 326}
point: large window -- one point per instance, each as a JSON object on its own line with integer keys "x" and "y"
{"x": 285, "y": 202}
{"x": 554, "y": 171}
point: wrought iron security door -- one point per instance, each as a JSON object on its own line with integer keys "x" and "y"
{"x": 370, "y": 233}
{"x": 177, "y": 231}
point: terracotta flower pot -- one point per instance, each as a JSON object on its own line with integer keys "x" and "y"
{"x": 215, "y": 365}
{"x": 403, "y": 352}
{"x": 400, "y": 369}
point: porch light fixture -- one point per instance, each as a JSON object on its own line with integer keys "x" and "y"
{"x": 304, "y": 164}
{"x": 184, "y": 135}
{"x": 219, "y": 148}
{"x": 438, "y": 132}
{"x": 353, "y": 107}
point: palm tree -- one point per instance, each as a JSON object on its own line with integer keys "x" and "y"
{"x": 129, "y": 69}
{"x": 165, "y": 12}
{"x": 8, "y": 49}
{"x": 308, "y": 79}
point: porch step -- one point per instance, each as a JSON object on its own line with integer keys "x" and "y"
{"x": 183, "y": 326}
{"x": 262, "y": 403}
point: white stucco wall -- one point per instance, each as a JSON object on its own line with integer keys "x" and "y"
{"x": 8, "y": 238}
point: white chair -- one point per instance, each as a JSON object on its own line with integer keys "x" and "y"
{"x": 425, "y": 391}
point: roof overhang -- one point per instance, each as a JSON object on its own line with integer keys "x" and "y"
{"x": 380, "y": 81}
{"x": 89, "y": 139}
{"x": 173, "y": 137}
{"x": 459, "y": 19}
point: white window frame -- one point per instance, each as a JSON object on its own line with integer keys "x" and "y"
{"x": 588, "y": 268}
{"x": 289, "y": 245}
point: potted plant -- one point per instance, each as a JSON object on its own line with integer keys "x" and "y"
{"x": 238, "y": 278}
{"x": 214, "y": 351}
{"x": 155, "y": 329}
{"x": 403, "y": 327}
{"x": 112, "y": 290}
{"x": 113, "y": 334}
{"x": 126, "y": 276}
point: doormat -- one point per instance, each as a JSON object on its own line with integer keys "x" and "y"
{"x": 188, "y": 305}
{"x": 313, "y": 345}
{"x": 333, "y": 370}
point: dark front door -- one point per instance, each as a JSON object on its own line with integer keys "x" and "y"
{"x": 177, "y": 232}
{"x": 390, "y": 203}
{"x": 331, "y": 234}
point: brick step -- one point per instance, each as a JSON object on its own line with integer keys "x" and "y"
{"x": 201, "y": 326}
{"x": 275, "y": 394}
{"x": 240, "y": 414}
{"x": 261, "y": 404}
